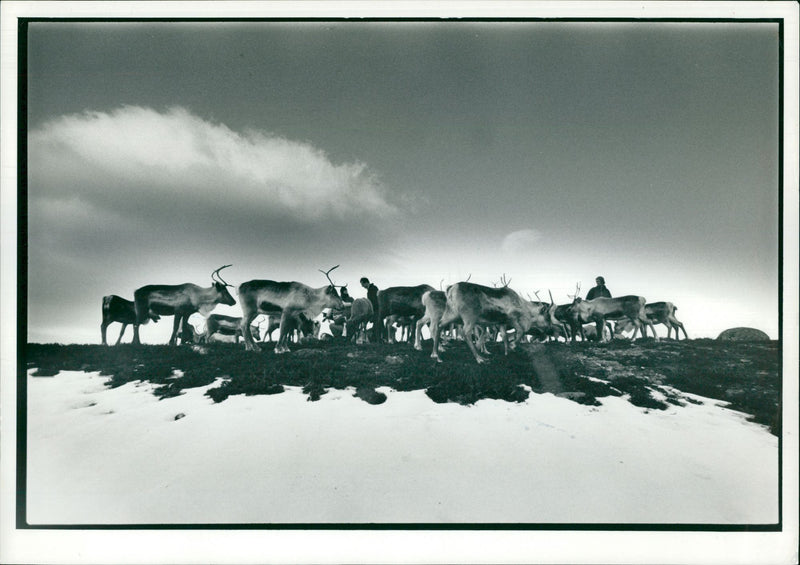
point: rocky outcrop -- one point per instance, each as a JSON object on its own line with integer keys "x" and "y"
{"x": 743, "y": 334}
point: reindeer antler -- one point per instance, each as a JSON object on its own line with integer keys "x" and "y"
{"x": 503, "y": 281}
{"x": 577, "y": 291}
{"x": 551, "y": 296}
{"x": 536, "y": 293}
{"x": 216, "y": 274}
{"x": 327, "y": 274}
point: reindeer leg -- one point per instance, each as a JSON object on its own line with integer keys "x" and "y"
{"x": 436, "y": 335}
{"x": 481, "y": 336}
{"x": 480, "y": 342}
{"x": 600, "y": 326}
{"x": 282, "y": 345}
{"x": 468, "y": 332}
{"x": 642, "y": 329}
{"x": 676, "y": 324}
{"x": 418, "y": 332}
{"x": 518, "y": 333}
{"x": 513, "y": 342}
{"x": 577, "y": 330}
{"x": 390, "y": 332}
{"x": 124, "y": 326}
{"x": 435, "y": 350}
{"x": 504, "y": 334}
{"x": 103, "y": 328}
{"x": 652, "y": 328}
{"x": 176, "y": 324}
{"x": 244, "y": 327}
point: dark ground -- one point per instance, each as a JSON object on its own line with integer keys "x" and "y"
{"x": 747, "y": 375}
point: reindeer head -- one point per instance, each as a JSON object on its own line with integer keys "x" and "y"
{"x": 334, "y": 300}
{"x": 224, "y": 297}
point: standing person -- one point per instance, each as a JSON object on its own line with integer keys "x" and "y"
{"x": 600, "y": 290}
{"x": 372, "y": 296}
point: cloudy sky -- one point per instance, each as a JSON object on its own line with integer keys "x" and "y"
{"x": 415, "y": 152}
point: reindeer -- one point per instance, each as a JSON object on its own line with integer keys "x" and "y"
{"x": 290, "y": 298}
{"x": 401, "y": 301}
{"x": 395, "y": 322}
{"x": 657, "y": 313}
{"x": 300, "y": 324}
{"x": 475, "y": 304}
{"x": 345, "y": 296}
{"x": 360, "y": 314}
{"x": 563, "y": 314}
{"x": 554, "y": 324}
{"x": 598, "y": 310}
{"x": 116, "y": 309}
{"x": 180, "y": 301}
{"x": 435, "y": 302}
{"x": 226, "y": 325}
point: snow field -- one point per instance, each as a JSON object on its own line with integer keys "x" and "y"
{"x": 120, "y": 456}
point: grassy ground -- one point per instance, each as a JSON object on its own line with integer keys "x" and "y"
{"x": 745, "y": 374}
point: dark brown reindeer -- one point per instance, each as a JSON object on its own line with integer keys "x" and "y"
{"x": 400, "y": 301}
{"x": 299, "y": 326}
{"x": 290, "y": 299}
{"x": 180, "y": 301}
{"x": 116, "y": 309}
{"x": 395, "y": 323}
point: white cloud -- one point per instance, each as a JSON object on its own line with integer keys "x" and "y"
{"x": 133, "y": 154}
{"x": 520, "y": 242}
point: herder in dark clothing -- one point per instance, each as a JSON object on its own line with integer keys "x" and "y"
{"x": 600, "y": 290}
{"x": 372, "y": 296}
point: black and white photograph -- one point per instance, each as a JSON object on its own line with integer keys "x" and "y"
{"x": 399, "y": 282}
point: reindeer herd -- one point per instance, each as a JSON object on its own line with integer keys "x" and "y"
{"x": 480, "y": 312}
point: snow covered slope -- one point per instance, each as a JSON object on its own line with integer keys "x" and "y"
{"x": 121, "y": 456}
